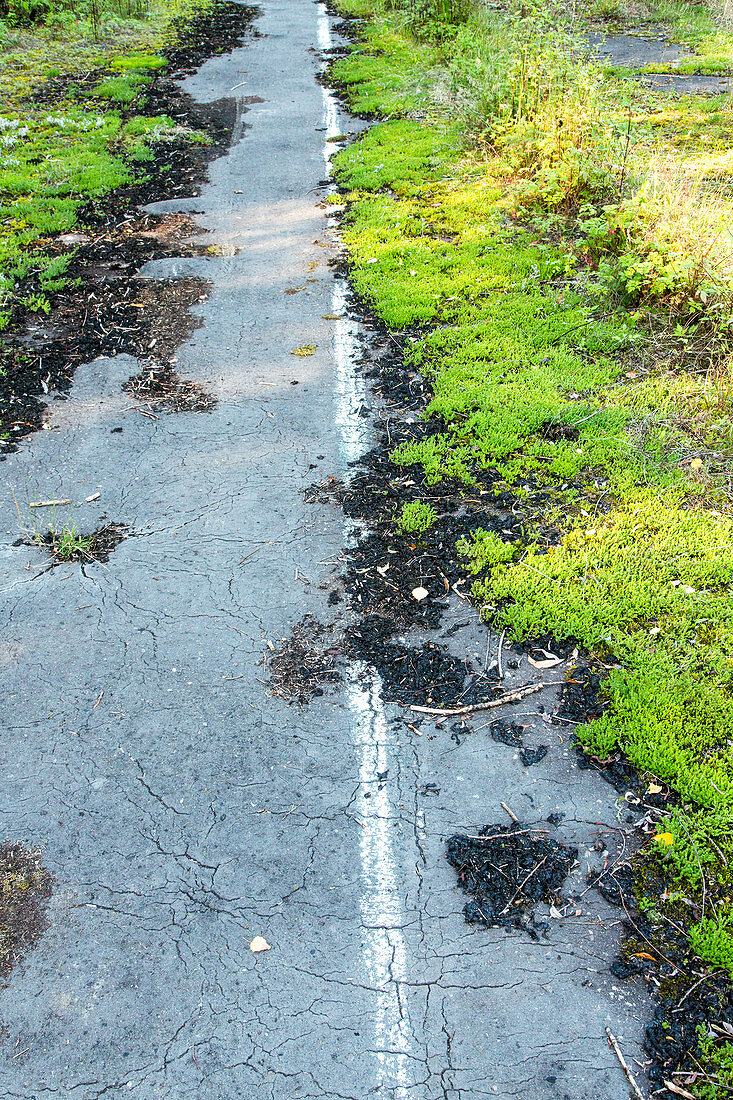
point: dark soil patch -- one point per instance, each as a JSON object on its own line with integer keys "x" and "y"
{"x": 423, "y": 675}
{"x": 508, "y": 870}
{"x": 507, "y": 732}
{"x": 161, "y": 386}
{"x": 218, "y": 30}
{"x": 164, "y": 318}
{"x": 71, "y": 545}
{"x": 25, "y": 887}
{"x": 103, "y": 314}
{"x": 302, "y": 663}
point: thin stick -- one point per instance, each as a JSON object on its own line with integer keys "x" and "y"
{"x": 521, "y": 885}
{"x": 678, "y": 1090}
{"x": 511, "y": 697}
{"x": 629, "y": 1075}
{"x": 505, "y": 807}
{"x": 496, "y": 836}
{"x": 17, "y": 508}
{"x": 250, "y": 555}
{"x": 498, "y": 656}
{"x": 47, "y": 503}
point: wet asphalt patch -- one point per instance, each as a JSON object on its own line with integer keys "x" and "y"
{"x": 641, "y": 51}
{"x": 25, "y": 887}
{"x": 508, "y": 870}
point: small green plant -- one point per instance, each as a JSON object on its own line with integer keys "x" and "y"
{"x": 712, "y": 939}
{"x": 716, "y": 1055}
{"x": 67, "y": 543}
{"x": 416, "y": 517}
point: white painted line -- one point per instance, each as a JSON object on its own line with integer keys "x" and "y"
{"x": 382, "y": 910}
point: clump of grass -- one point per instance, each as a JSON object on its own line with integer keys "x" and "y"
{"x": 416, "y": 517}
{"x": 68, "y": 543}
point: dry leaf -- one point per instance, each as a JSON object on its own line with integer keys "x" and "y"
{"x": 643, "y": 955}
{"x": 420, "y": 594}
{"x": 549, "y": 663}
{"x": 259, "y": 943}
{"x": 382, "y": 569}
{"x": 304, "y": 350}
{"x": 654, "y": 788}
{"x": 554, "y": 912}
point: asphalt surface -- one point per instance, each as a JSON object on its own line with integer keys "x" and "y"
{"x": 181, "y": 809}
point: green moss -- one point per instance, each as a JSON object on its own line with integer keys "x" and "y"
{"x": 717, "y": 1057}
{"x": 416, "y": 517}
{"x": 124, "y": 88}
{"x": 55, "y": 159}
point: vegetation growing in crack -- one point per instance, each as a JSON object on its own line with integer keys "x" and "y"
{"x": 67, "y": 542}
{"x": 25, "y": 887}
{"x": 551, "y": 238}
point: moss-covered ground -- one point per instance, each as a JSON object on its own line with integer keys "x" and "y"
{"x": 72, "y": 128}
{"x": 553, "y": 239}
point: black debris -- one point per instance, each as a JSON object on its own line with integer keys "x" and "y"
{"x": 507, "y": 870}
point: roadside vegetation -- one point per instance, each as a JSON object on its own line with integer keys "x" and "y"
{"x": 555, "y": 241}
{"x": 73, "y": 77}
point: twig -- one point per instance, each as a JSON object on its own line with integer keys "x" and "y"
{"x": 629, "y": 1075}
{"x": 505, "y": 807}
{"x": 635, "y": 926}
{"x": 521, "y": 885}
{"x": 47, "y": 503}
{"x": 511, "y": 697}
{"x": 498, "y": 656}
{"x": 692, "y": 988}
{"x": 17, "y": 508}
{"x": 678, "y": 1090}
{"x": 497, "y": 836}
{"x": 250, "y": 555}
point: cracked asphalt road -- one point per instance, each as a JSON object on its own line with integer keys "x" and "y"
{"x": 181, "y": 810}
